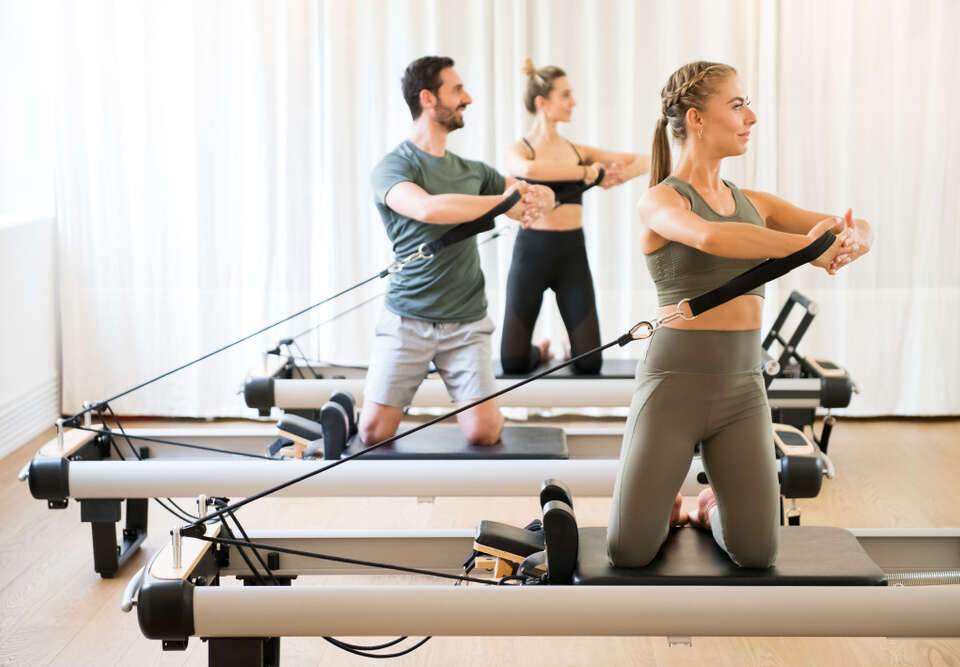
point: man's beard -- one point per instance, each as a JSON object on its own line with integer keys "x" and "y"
{"x": 447, "y": 117}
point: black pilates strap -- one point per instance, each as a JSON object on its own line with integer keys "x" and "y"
{"x": 467, "y": 229}
{"x": 760, "y": 274}
{"x": 574, "y": 191}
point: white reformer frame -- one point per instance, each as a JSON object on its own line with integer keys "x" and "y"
{"x": 310, "y": 393}
{"x": 445, "y": 610}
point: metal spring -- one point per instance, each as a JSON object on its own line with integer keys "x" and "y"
{"x": 903, "y": 576}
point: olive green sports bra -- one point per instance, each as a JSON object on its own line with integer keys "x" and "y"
{"x": 682, "y": 272}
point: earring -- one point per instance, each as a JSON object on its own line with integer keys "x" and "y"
{"x": 700, "y": 133}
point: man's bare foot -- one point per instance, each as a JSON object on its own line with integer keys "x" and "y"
{"x": 544, "y": 347}
{"x": 678, "y": 518}
{"x": 706, "y": 501}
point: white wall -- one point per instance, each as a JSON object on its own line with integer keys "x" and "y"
{"x": 29, "y": 326}
{"x": 29, "y": 340}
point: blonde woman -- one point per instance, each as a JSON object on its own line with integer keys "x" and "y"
{"x": 700, "y": 380}
{"x": 551, "y": 252}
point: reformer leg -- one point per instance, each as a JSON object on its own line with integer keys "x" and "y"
{"x": 103, "y": 515}
{"x": 243, "y": 652}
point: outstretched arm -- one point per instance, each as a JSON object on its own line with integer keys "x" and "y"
{"x": 410, "y": 200}
{"x": 522, "y": 165}
{"x": 666, "y": 213}
{"x": 781, "y": 215}
{"x": 619, "y": 167}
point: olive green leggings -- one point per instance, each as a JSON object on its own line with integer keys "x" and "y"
{"x": 698, "y": 387}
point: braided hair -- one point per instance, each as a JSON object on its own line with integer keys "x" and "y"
{"x": 687, "y": 88}
{"x": 539, "y": 83}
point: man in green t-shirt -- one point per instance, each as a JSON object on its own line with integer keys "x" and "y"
{"x": 436, "y": 309}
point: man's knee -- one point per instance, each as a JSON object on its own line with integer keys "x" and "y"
{"x": 482, "y": 434}
{"x": 374, "y": 427}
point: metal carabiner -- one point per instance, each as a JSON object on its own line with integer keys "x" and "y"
{"x": 650, "y": 326}
{"x": 421, "y": 253}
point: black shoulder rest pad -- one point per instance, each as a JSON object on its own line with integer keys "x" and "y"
{"x": 508, "y": 539}
{"x": 808, "y": 556}
{"x": 562, "y": 541}
{"x": 300, "y": 427}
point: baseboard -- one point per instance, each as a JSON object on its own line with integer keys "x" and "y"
{"x": 28, "y": 415}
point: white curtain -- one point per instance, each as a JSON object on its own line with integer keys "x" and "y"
{"x": 213, "y": 160}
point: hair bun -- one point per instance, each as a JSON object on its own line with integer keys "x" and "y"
{"x": 528, "y": 68}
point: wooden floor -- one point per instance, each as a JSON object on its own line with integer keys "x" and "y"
{"x": 54, "y": 610}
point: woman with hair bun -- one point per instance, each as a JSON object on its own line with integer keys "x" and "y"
{"x": 551, "y": 253}
{"x": 700, "y": 381}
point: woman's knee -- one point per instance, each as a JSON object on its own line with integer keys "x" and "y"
{"x": 589, "y": 365}
{"x": 631, "y": 550}
{"x": 515, "y": 365}
{"x": 755, "y": 551}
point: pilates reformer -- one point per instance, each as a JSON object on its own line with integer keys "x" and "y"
{"x": 181, "y": 605}
{"x": 54, "y": 477}
{"x": 90, "y": 466}
{"x": 833, "y": 581}
{"x": 826, "y": 582}
{"x": 800, "y": 385}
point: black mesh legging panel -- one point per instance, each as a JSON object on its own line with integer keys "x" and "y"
{"x": 558, "y": 261}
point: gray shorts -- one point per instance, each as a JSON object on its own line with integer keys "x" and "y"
{"x": 404, "y": 348}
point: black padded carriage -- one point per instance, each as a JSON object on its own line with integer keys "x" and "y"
{"x": 808, "y": 556}
{"x": 445, "y": 442}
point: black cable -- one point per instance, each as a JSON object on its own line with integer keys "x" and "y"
{"x": 378, "y": 647}
{"x": 243, "y": 554}
{"x": 171, "y": 442}
{"x": 339, "y": 315}
{"x": 379, "y": 275}
{"x": 362, "y": 654}
{"x": 341, "y": 559}
{"x": 256, "y": 553}
{"x": 179, "y": 512}
{"x": 622, "y": 340}
{"x": 300, "y": 351}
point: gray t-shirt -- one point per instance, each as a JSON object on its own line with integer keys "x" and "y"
{"x": 449, "y": 287}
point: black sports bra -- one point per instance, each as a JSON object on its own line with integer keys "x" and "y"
{"x": 565, "y": 192}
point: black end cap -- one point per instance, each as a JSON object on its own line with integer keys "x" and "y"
{"x": 50, "y": 478}
{"x": 258, "y": 393}
{"x": 165, "y": 610}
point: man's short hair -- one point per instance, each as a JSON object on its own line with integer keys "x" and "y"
{"x": 422, "y": 74}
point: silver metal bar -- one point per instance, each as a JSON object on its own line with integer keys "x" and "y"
{"x": 128, "y": 601}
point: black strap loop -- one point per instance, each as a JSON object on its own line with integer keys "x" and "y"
{"x": 570, "y": 191}
{"x": 760, "y": 274}
{"x": 467, "y": 229}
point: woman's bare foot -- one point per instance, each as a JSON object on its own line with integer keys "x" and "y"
{"x": 678, "y": 518}
{"x": 706, "y": 501}
{"x": 544, "y": 347}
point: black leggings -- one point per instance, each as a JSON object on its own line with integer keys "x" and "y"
{"x": 557, "y": 260}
